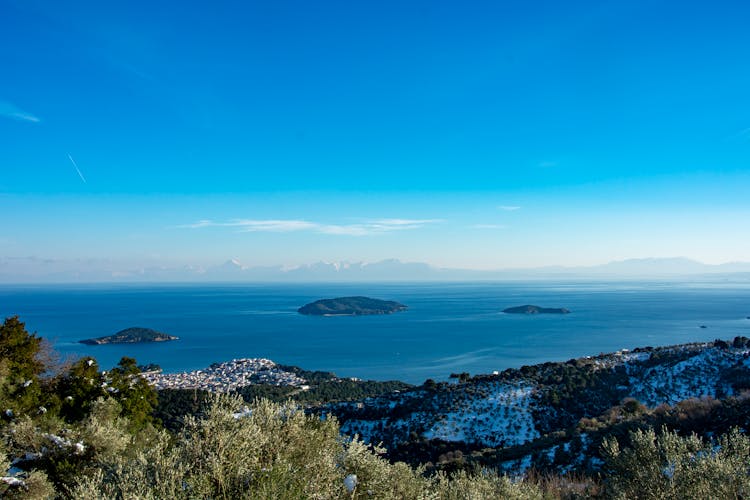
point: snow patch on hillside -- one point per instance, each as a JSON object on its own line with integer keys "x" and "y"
{"x": 502, "y": 418}
{"x": 697, "y": 376}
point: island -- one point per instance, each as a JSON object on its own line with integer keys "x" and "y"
{"x": 131, "y": 336}
{"x": 530, "y": 309}
{"x": 351, "y": 306}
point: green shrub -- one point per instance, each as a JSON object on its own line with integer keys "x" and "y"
{"x": 670, "y": 466}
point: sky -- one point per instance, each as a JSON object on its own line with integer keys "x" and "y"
{"x": 473, "y": 134}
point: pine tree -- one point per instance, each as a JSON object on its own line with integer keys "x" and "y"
{"x": 79, "y": 388}
{"x": 137, "y": 398}
{"x": 20, "y": 368}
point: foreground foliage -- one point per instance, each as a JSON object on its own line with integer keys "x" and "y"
{"x": 273, "y": 450}
{"x": 670, "y": 466}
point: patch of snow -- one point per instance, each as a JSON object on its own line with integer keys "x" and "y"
{"x": 244, "y": 412}
{"x": 28, "y": 456}
{"x": 350, "y": 482}
{"x": 501, "y": 418}
{"x": 13, "y": 481}
{"x": 58, "y": 441}
{"x": 365, "y": 428}
{"x": 697, "y": 376}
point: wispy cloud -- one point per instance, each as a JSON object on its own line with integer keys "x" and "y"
{"x": 273, "y": 226}
{"x": 198, "y": 224}
{"x": 9, "y": 110}
{"x": 294, "y": 225}
{"x": 742, "y": 135}
{"x": 251, "y": 225}
{"x": 509, "y": 208}
{"x": 405, "y": 222}
{"x": 400, "y": 224}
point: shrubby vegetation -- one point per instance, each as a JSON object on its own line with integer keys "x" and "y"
{"x": 273, "y": 450}
{"x": 77, "y": 432}
{"x": 58, "y": 421}
{"x": 325, "y": 391}
{"x": 667, "y": 466}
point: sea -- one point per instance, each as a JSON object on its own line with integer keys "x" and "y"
{"x": 448, "y": 327}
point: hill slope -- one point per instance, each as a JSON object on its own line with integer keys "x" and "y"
{"x": 534, "y": 406}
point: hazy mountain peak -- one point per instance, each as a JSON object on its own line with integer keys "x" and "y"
{"x": 232, "y": 264}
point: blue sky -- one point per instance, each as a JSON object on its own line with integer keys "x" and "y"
{"x": 462, "y": 134}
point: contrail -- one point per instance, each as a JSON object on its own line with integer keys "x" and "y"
{"x": 77, "y": 169}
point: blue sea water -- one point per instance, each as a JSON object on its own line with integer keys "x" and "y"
{"x": 449, "y": 327}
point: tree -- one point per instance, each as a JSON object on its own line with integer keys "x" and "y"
{"x": 430, "y": 384}
{"x": 20, "y": 368}
{"x": 137, "y": 398}
{"x": 79, "y": 388}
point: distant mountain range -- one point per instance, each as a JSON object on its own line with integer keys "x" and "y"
{"x": 34, "y": 270}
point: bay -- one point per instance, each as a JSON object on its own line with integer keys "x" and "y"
{"x": 449, "y": 327}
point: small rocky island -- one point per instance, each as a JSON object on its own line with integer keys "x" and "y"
{"x": 530, "y": 309}
{"x": 131, "y": 336}
{"x": 351, "y": 306}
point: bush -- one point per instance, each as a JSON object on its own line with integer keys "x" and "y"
{"x": 669, "y": 466}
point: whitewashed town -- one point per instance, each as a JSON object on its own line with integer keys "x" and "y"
{"x": 227, "y": 376}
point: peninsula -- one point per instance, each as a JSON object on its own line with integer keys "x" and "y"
{"x": 351, "y": 306}
{"x": 530, "y": 309}
{"x": 131, "y": 336}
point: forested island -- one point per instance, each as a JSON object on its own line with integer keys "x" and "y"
{"x": 131, "y": 336}
{"x": 531, "y": 309}
{"x": 351, "y": 306}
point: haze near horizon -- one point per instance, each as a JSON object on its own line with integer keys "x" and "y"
{"x": 472, "y": 136}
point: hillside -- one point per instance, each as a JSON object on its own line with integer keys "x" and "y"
{"x": 538, "y": 408}
{"x": 553, "y": 416}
